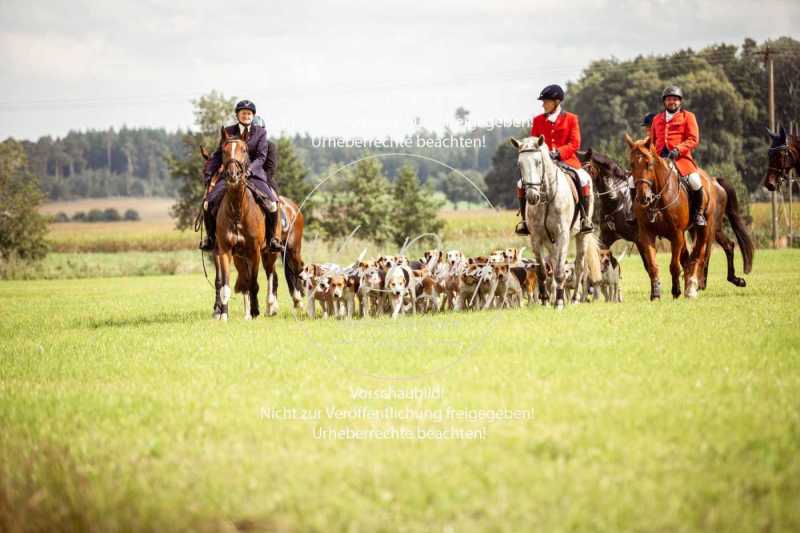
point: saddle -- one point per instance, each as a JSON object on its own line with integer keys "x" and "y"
{"x": 574, "y": 182}
{"x": 262, "y": 200}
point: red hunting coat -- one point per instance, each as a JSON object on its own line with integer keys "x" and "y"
{"x": 563, "y": 135}
{"x": 682, "y": 133}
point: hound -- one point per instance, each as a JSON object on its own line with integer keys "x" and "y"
{"x": 401, "y": 286}
{"x": 509, "y": 290}
{"x": 611, "y": 274}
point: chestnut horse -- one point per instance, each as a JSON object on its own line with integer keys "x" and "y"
{"x": 784, "y": 155}
{"x": 241, "y": 232}
{"x": 241, "y": 237}
{"x": 662, "y": 210}
{"x": 611, "y": 184}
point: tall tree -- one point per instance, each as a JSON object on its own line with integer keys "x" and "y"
{"x": 22, "y": 228}
{"x": 210, "y": 112}
{"x": 415, "y": 208}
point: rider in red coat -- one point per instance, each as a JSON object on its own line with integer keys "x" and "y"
{"x": 675, "y": 134}
{"x": 562, "y": 133}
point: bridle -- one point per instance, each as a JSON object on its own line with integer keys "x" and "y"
{"x": 544, "y": 185}
{"x": 595, "y": 173}
{"x": 658, "y": 196}
{"x": 240, "y": 169}
{"x": 783, "y": 151}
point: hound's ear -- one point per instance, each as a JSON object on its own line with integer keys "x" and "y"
{"x": 629, "y": 141}
{"x": 540, "y": 140}
{"x": 204, "y": 153}
{"x": 516, "y": 143}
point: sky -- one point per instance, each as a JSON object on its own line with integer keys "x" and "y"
{"x": 346, "y": 68}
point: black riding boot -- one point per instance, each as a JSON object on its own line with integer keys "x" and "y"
{"x": 586, "y": 223}
{"x": 696, "y": 205}
{"x": 275, "y": 241}
{"x": 522, "y": 227}
{"x": 210, "y": 222}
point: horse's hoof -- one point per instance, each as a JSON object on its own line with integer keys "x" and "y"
{"x": 224, "y": 317}
{"x": 248, "y": 317}
{"x": 560, "y": 305}
{"x": 655, "y": 298}
{"x": 216, "y": 315}
{"x": 739, "y": 282}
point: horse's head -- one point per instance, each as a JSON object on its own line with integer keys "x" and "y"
{"x": 534, "y": 161}
{"x": 643, "y": 160}
{"x": 781, "y": 159}
{"x": 609, "y": 179}
{"x": 235, "y": 160}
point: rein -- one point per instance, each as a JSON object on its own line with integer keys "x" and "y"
{"x": 545, "y": 185}
{"x": 654, "y": 211}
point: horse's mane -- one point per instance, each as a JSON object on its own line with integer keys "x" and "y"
{"x": 609, "y": 163}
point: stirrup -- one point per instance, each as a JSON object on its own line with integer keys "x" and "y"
{"x": 586, "y": 226}
{"x": 276, "y": 246}
{"x": 207, "y": 245}
{"x": 522, "y": 228}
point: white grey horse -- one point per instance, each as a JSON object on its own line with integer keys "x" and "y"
{"x": 552, "y": 218}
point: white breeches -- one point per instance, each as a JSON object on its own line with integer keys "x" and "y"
{"x": 694, "y": 181}
{"x": 583, "y": 177}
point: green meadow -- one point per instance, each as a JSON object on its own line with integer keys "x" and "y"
{"x": 124, "y": 407}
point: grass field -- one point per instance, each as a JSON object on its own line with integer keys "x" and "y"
{"x": 123, "y": 407}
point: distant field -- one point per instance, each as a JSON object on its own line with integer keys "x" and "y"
{"x": 150, "y": 209}
{"x": 125, "y": 407}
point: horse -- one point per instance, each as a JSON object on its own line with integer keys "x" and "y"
{"x": 550, "y": 213}
{"x": 616, "y": 205}
{"x": 611, "y": 183}
{"x": 241, "y": 232}
{"x": 292, "y": 238}
{"x": 662, "y": 210}
{"x": 784, "y": 155}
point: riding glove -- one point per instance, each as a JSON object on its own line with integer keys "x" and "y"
{"x": 674, "y": 154}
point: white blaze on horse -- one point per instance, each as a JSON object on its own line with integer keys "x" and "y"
{"x": 552, "y": 217}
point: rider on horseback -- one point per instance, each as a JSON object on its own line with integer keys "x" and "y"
{"x": 257, "y": 147}
{"x": 675, "y": 134}
{"x": 562, "y": 133}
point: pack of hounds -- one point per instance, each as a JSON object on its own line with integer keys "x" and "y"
{"x": 443, "y": 281}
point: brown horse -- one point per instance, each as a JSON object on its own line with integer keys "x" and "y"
{"x": 662, "y": 210}
{"x": 241, "y": 232}
{"x": 291, "y": 237}
{"x": 784, "y": 155}
{"x": 611, "y": 184}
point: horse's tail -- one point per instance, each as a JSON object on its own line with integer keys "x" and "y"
{"x": 738, "y": 226}
{"x": 592, "y": 256}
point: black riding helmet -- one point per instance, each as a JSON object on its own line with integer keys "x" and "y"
{"x": 552, "y": 92}
{"x": 245, "y": 104}
{"x": 672, "y": 90}
{"x": 648, "y": 119}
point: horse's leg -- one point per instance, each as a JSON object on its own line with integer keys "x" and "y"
{"x": 560, "y": 255}
{"x": 225, "y": 290}
{"x": 272, "y": 283}
{"x": 243, "y": 282}
{"x": 678, "y": 244}
{"x": 255, "y": 265}
{"x": 217, "y": 287}
{"x": 696, "y": 260}
{"x": 728, "y": 246}
{"x": 647, "y": 248}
